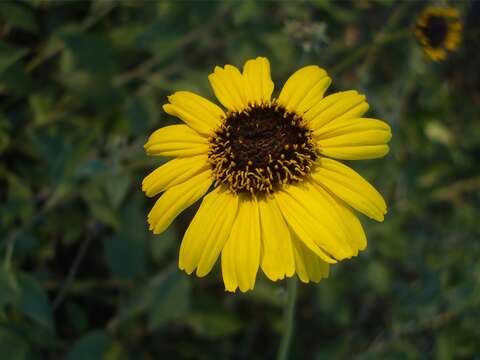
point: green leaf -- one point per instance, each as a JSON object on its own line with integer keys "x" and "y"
{"x": 90, "y": 168}
{"x": 379, "y": 277}
{"x": 93, "y": 346}
{"x": 123, "y": 37}
{"x": 141, "y": 115}
{"x": 77, "y": 317}
{"x": 339, "y": 13}
{"x": 34, "y": 302}
{"x": 41, "y": 105}
{"x": 4, "y": 135}
{"x": 9, "y": 55}
{"x": 160, "y": 38}
{"x": 445, "y": 347}
{"x": 100, "y": 205}
{"x": 215, "y": 324}
{"x": 171, "y": 299}
{"x": 12, "y": 346}
{"x": 133, "y": 218}
{"x": 91, "y": 53}
{"x": 18, "y": 16}
{"x": 99, "y": 8}
{"x": 125, "y": 256}
{"x": 160, "y": 245}
{"x": 16, "y": 80}
{"x": 25, "y": 243}
{"x": 56, "y": 151}
{"x": 19, "y": 196}
{"x": 117, "y": 188}
{"x": 438, "y": 132}
{"x": 9, "y": 290}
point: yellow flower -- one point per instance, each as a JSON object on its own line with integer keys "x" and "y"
{"x": 439, "y": 30}
{"x": 279, "y": 200}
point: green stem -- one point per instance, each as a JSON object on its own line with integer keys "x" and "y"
{"x": 288, "y": 319}
{"x": 364, "y": 50}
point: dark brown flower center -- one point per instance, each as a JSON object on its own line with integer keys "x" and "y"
{"x": 260, "y": 149}
{"x": 436, "y": 30}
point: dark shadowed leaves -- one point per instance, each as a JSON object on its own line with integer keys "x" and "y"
{"x": 33, "y": 301}
{"x": 170, "y": 299}
{"x": 19, "y": 16}
{"x": 82, "y": 84}
{"x": 9, "y": 55}
{"x": 94, "y": 345}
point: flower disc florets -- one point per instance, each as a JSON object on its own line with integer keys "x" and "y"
{"x": 436, "y": 30}
{"x": 260, "y": 149}
{"x": 439, "y": 30}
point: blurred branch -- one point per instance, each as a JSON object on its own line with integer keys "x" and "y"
{"x": 47, "y": 51}
{"x": 430, "y": 323}
{"x": 11, "y": 239}
{"x": 87, "y": 286}
{"x": 92, "y": 232}
{"x": 359, "y": 53}
{"x": 145, "y": 68}
{"x": 381, "y": 38}
{"x": 53, "y": 201}
{"x": 139, "y": 303}
{"x": 453, "y": 192}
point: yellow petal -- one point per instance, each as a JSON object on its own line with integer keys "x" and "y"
{"x": 303, "y": 225}
{"x": 197, "y": 112}
{"x": 314, "y": 96}
{"x": 174, "y": 172}
{"x": 176, "y": 140}
{"x": 354, "y": 139}
{"x": 258, "y": 80}
{"x": 207, "y": 233}
{"x": 229, "y": 266}
{"x": 336, "y": 107}
{"x": 314, "y": 214}
{"x": 351, "y": 225}
{"x": 277, "y": 256}
{"x": 304, "y": 88}
{"x": 349, "y": 186}
{"x": 308, "y": 266}
{"x": 229, "y": 87}
{"x": 357, "y": 234}
{"x": 241, "y": 253}
{"x": 356, "y": 152}
{"x": 176, "y": 199}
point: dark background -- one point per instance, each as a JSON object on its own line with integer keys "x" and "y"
{"x": 81, "y": 88}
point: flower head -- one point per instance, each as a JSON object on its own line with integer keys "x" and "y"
{"x": 439, "y": 30}
{"x": 280, "y": 202}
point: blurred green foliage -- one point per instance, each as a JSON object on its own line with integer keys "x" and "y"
{"x": 81, "y": 88}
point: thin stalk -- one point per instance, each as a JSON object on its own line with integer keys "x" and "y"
{"x": 289, "y": 316}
